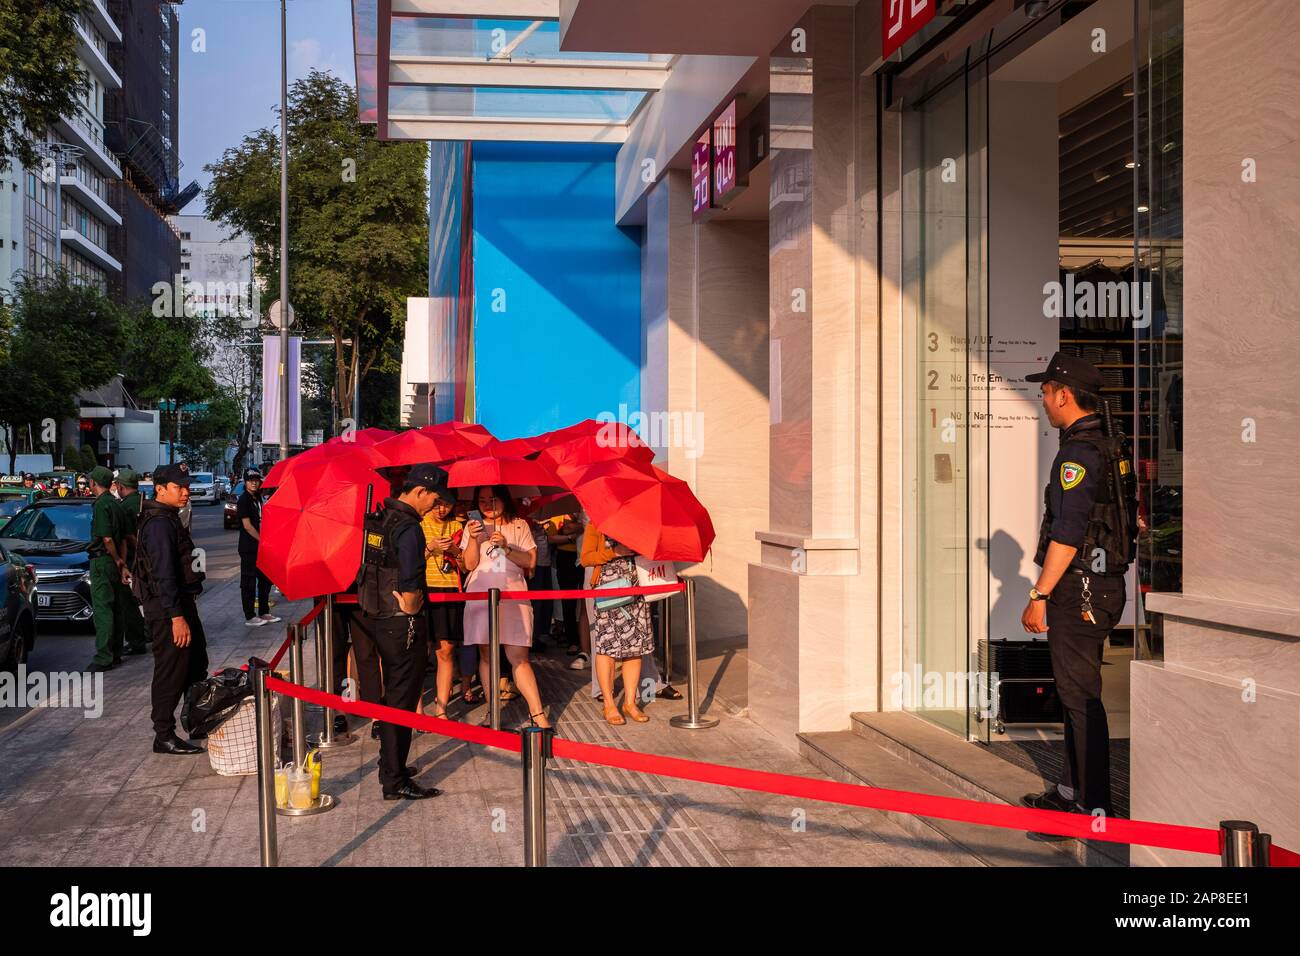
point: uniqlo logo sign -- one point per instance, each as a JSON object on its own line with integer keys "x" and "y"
{"x": 903, "y": 19}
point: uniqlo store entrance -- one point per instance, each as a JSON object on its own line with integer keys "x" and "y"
{"x": 1038, "y": 174}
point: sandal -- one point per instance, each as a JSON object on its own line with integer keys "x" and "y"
{"x": 612, "y": 716}
{"x": 508, "y": 695}
{"x": 638, "y": 715}
{"x": 471, "y": 698}
{"x": 669, "y": 693}
{"x": 532, "y": 718}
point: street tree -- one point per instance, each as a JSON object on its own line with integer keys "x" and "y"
{"x": 358, "y": 223}
{"x": 59, "y": 339}
{"x": 40, "y": 76}
{"x": 163, "y": 362}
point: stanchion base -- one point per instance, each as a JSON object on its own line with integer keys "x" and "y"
{"x": 340, "y": 740}
{"x": 684, "y": 722}
{"x": 323, "y": 803}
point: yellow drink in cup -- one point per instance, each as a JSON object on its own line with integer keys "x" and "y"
{"x": 281, "y": 787}
{"x": 313, "y": 762}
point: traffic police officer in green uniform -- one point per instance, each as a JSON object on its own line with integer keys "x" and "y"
{"x": 390, "y": 611}
{"x": 129, "y": 501}
{"x": 107, "y": 572}
{"x": 1086, "y": 543}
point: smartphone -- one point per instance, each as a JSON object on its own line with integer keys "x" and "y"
{"x": 475, "y": 515}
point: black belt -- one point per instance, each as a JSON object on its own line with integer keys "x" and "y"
{"x": 1088, "y": 572}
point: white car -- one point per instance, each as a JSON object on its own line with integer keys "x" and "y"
{"x": 203, "y": 490}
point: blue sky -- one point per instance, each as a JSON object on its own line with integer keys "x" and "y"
{"x": 234, "y": 87}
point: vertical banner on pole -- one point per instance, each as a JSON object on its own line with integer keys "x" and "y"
{"x": 271, "y": 389}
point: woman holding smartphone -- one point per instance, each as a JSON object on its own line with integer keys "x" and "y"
{"x": 499, "y": 552}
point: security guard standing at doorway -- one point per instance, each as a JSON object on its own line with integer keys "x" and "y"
{"x": 107, "y": 572}
{"x": 1086, "y": 543}
{"x": 390, "y": 605}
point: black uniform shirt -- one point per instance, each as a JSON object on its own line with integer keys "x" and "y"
{"x": 161, "y": 548}
{"x": 409, "y": 542}
{"x": 1073, "y": 485}
{"x": 249, "y": 507}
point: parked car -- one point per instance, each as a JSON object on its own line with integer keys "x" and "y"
{"x": 14, "y": 498}
{"x": 230, "y": 505}
{"x": 53, "y": 537}
{"x": 203, "y": 489}
{"x": 18, "y": 622}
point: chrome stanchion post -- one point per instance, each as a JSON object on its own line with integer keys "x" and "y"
{"x": 692, "y": 720}
{"x": 327, "y": 739}
{"x": 299, "y": 706}
{"x": 265, "y": 763}
{"x": 1241, "y": 844}
{"x": 666, "y": 614}
{"x": 534, "y": 751}
{"x": 494, "y": 657}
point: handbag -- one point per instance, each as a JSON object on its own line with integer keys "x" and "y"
{"x": 617, "y": 600}
{"x": 650, "y": 573}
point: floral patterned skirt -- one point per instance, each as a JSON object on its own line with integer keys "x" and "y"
{"x": 623, "y": 632}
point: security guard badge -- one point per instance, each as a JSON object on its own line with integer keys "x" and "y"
{"x": 1071, "y": 474}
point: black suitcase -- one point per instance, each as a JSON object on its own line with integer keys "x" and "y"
{"x": 1022, "y": 686}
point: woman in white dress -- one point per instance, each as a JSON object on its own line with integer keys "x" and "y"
{"x": 499, "y": 552}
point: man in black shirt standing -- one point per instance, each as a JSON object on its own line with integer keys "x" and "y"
{"x": 166, "y": 581}
{"x": 252, "y": 582}
{"x": 390, "y": 606}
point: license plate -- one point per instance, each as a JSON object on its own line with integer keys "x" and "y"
{"x": 42, "y": 600}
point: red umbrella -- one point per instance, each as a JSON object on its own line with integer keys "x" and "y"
{"x": 514, "y": 447}
{"x": 311, "y": 526}
{"x": 649, "y": 510}
{"x": 525, "y": 477}
{"x": 417, "y": 447}
{"x": 475, "y": 433}
{"x": 619, "y": 443}
{"x": 339, "y": 444}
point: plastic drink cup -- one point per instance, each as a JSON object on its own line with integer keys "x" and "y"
{"x": 314, "y": 766}
{"x": 299, "y": 789}
{"x": 281, "y": 786}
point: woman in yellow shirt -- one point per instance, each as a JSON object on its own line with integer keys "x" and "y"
{"x": 442, "y": 575}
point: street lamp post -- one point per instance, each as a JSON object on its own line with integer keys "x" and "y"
{"x": 284, "y": 235}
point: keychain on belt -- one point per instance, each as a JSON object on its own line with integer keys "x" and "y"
{"x": 410, "y": 631}
{"x": 1087, "y": 603}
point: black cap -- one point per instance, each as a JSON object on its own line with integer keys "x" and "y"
{"x": 171, "y": 475}
{"x": 1069, "y": 370}
{"x": 433, "y": 478}
{"x": 252, "y": 474}
{"x": 28, "y": 476}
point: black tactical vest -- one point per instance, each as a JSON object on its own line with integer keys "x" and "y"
{"x": 143, "y": 585}
{"x": 379, "y": 563}
{"x": 1110, "y": 529}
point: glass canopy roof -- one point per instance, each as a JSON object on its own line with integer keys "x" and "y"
{"x": 461, "y": 77}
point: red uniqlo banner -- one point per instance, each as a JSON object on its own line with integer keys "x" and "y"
{"x": 903, "y": 19}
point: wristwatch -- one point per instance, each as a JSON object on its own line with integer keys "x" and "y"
{"x": 1037, "y": 595}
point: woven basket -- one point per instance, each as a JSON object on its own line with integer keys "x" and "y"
{"x": 232, "y": 747}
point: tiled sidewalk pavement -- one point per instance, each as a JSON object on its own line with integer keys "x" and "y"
{"x": 77, "y": 791}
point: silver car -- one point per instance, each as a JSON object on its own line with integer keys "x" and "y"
{"x": 203, "y": 489}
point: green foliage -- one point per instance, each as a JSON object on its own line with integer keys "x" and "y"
{"x": 39, "y": 72}
{"x": 205, "y": 437}
{"x": 60, "y": 339}
{"x": 358, "y": 222}
{"x": 88, "y": 458}
{"x": 72, "y": 457}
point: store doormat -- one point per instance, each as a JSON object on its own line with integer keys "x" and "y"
{"x": 1047, "y": 759}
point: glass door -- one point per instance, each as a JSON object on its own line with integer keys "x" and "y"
{"x": 944, "y": 228}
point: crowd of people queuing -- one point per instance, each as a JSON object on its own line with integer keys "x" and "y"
{"x": 474, "y": 545}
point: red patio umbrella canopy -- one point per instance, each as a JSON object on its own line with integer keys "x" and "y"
{"x": 311, "y": 526}
{"x": 473, "y": 432}
{"x": 611, "y": 444}
{"x": 645, "y": 508}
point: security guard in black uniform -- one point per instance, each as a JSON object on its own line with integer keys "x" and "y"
{"x": 390, "y": 605}
{"x": 1085, "y": 545}
{"x": 166, "y": 579}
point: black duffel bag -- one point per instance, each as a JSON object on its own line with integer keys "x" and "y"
{"x": 211, "y": 701}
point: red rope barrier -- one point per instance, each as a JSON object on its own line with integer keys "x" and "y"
{"x": 279, "y": 655}
{"x": 1110, "y": 829}
{"x": 313, "y": 613}
{"x": 438, "y": 597}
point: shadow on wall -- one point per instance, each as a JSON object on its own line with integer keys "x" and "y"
{"x": 1005, "y": 559}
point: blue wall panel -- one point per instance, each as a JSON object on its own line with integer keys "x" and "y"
{"x": 557, "y": 288}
